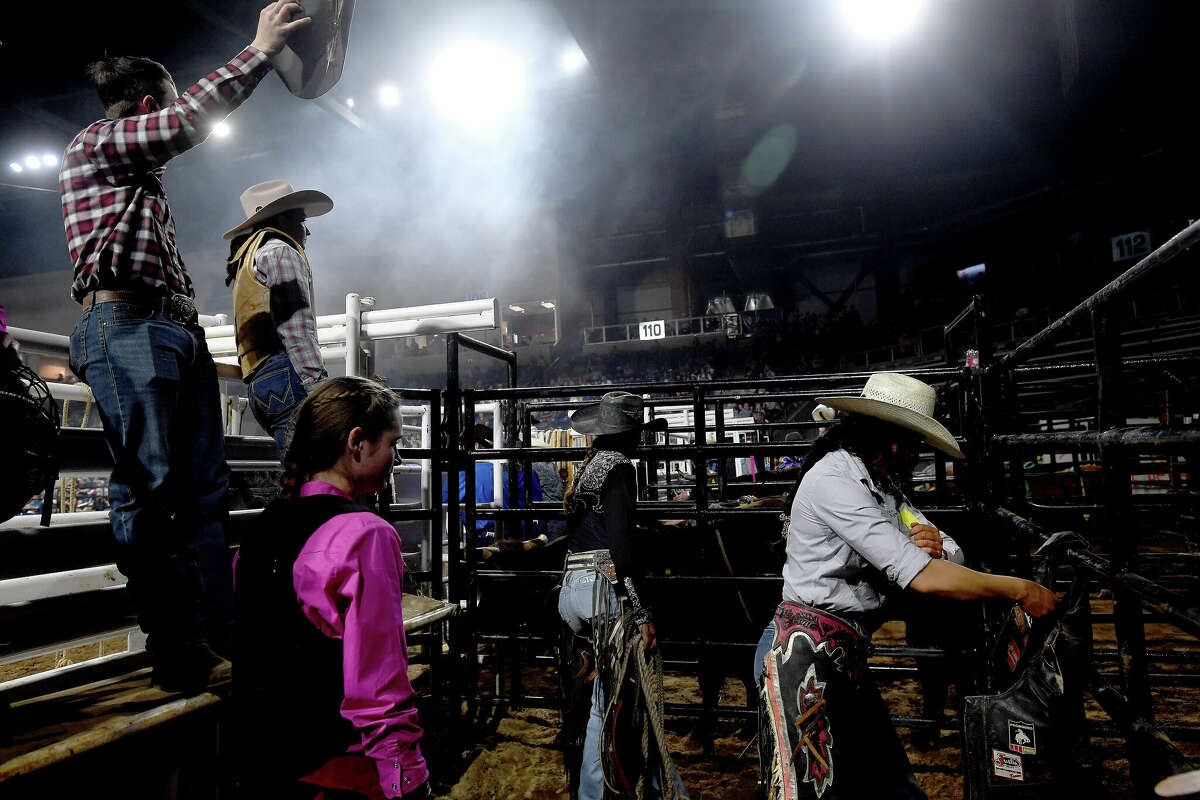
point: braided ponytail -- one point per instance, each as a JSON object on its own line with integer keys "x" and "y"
{"x": 570, "y": 493}
{"x": 324, "y": 421}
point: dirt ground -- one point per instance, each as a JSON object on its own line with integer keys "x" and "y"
{"x": 62, "y": 658}
{"x": 518, "y": 758}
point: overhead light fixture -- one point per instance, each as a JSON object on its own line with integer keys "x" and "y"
{"x": 477, "y": 84}
{"x": 15, "y": 167}
{"x": 516, "y": 308}
{"x": 573, "y": 59}
{"x": 389, "y": 96}
{"x": 49, "y": 160}
{"x": 882, "y": 20}
{"x": 32, "y": 162}
{"x": 222, "y": 129}
{"x": 547, "y": 304}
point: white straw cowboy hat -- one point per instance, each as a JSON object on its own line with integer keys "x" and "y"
{"x": 311, "y": 61}
{"x": 615, "y": 412}
{"x": 903, "y": 401}
{"x": 265, "y": 200}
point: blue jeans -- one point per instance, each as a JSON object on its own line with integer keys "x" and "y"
{"x": 760, "y": 652}
{"x": 275, "y": 393}
{"x": 156, "y": 392}
{"x": 584, "y": 593}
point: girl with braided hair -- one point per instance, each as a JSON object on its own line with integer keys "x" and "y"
{"x": 321, "y": 657}
{"x": 623, "y": 751}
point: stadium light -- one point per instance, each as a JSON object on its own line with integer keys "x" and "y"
{"x": 475, "y": 83}
{"x": 389, "y": 96}
{"x": 882, "y": 20}
{"x": 15, "y": 167}
{"x": 573, "y": 59}
{"x": 32, "y": 162}
{"x": 222, "y": 129}
{"x": 349, "y": 102}
{"x": 49, "y": 160}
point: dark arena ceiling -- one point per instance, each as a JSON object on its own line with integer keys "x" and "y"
{"x": 983, "y": 111}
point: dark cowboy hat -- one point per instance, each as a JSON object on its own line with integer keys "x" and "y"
{"x": 311, "y": 61}
{"x": 616, "y": 412}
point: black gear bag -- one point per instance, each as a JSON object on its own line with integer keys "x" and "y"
{"x": 1029, "y": 741}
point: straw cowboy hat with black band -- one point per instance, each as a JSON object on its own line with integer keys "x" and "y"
{"x": 267, "y": 199}
{"x": 903, "y": 401}
{"x": 615, "y": 412}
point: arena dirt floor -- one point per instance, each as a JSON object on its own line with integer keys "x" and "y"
{"x": 517, "y": 756}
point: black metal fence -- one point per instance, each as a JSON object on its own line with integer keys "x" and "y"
{"x": 1090, "y": 471}
{"x": 999, "y": 504}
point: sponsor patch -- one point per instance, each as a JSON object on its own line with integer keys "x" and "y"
{"x": 1007, "y": 765}
{"x": 1021, "y": 737}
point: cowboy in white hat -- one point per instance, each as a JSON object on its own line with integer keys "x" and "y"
{"x": 273, "y": 302}
{"x": 852, "y": 537}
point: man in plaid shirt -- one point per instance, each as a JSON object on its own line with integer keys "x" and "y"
{"x": 273, "y": 303}
{"x": 140, "y": 350}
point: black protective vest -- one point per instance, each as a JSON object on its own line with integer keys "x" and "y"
{"x": 586, "y": 529}
{"x": 287, "y": 675}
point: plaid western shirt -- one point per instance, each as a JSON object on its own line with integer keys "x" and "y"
{"x": 277, "y": 264}
{"x": 120, "y": 231}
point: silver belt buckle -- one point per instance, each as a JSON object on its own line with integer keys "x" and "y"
{"x": 182, "y": 309}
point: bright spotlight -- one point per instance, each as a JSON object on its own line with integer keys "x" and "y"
{"x": 32, "y": 162}
{"x": 222, "y": 129}
{"x": 881, "y": 20}
{"x": 15, "y": 167}
{"x": 573, "y": 59}
{"x": 49, "y": 160}
{"x": 389, "y": 96}
{"x": 476, "y": 83}
{"x": 349, "y": 102}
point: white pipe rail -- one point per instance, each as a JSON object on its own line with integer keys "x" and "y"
{"x": 70, "y": 391}
{"x": 352, "y": 333}
{"x": 53, "y": 341}
{"x": 475, "y": 313}
{"x": 60, "y": 584}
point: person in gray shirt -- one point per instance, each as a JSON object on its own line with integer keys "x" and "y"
{"x": 852, "y": 537}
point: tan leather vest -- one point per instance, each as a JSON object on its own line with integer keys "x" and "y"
{"x": 253, "y": 328}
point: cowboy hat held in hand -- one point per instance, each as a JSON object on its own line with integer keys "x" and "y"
{"x": 310, "y": 63}
{"x": 269, "y": 198}
{"x": 615, "y": 412}
{"x": 903, "y": 401}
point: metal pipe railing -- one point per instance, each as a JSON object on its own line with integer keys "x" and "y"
{"x": 1136, "y": 439}
{"x": 1175, "y": 608}
{"x": 1172, "y": 248}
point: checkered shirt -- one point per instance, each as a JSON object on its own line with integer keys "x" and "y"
{"x": 120, "y": 231}
{"x": 277, "y": 263}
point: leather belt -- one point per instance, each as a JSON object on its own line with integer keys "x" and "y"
{"x": 154, "y": 302}
{"x": 179, "y": 307}
{"x": 598, "y": 560}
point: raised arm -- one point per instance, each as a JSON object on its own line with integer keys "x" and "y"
{"x": 147, "y": 141}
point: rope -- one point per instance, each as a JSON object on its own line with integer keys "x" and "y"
{"x": 620, "y": 648}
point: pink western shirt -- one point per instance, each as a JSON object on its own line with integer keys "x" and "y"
{"x": 349, "y": 579}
